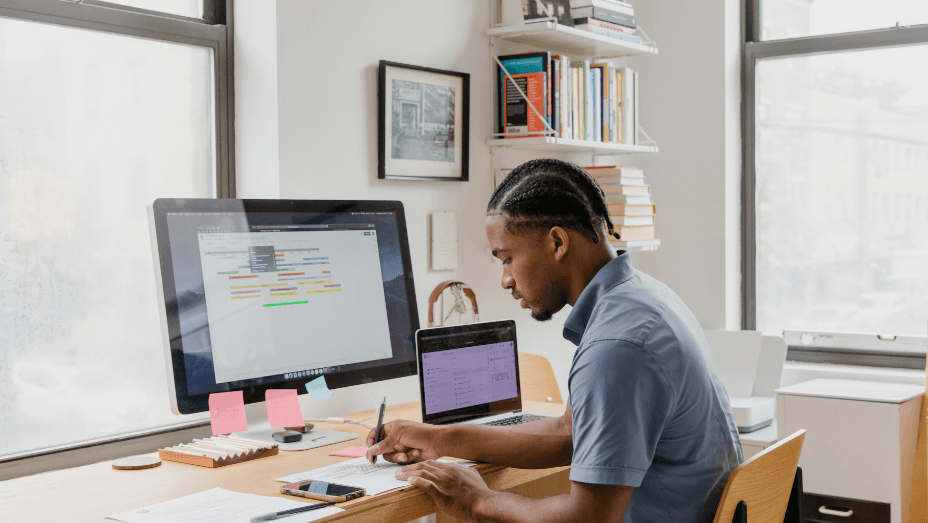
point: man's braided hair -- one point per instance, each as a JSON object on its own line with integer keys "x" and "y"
{"x": 540, "y": 194}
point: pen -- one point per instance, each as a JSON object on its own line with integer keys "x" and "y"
{"x": 378, "y": 434}
{"x": 285, "y": 513}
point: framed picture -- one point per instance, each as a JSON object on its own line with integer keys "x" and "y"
{"x": 423, "y": 123}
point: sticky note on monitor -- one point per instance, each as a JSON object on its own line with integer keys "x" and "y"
{"x": 318, "y": 389}
{"x": 283, "y": 409}
{"x": 227, "y": 412}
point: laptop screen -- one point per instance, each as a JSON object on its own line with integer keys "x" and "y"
{"x": 468, "y": 371}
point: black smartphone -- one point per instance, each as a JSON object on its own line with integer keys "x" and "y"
{"x": 322, "y": 490}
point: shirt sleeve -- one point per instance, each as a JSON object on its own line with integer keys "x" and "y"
{"x": 620, "y": 400}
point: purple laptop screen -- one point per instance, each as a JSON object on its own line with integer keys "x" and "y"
{"x": 459, "y": 378}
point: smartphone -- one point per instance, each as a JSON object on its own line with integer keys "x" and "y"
{"x": 322, "y": 490}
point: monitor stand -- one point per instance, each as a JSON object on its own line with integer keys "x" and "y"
{"x": 262, "y": 431}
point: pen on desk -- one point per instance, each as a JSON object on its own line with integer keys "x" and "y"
{"x": 285, "y": 513}
{"x": 379, "y": 434}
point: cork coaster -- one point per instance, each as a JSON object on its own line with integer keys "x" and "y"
{"x": 137, "y": 463}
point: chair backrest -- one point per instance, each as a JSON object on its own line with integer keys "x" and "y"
{"x": 536, "y": 378}
{"x": 763, "y": 483}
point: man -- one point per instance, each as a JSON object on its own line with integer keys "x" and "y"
{"x": 648, "y": 431}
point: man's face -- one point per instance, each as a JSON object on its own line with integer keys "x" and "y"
{"x": 528, "y": 268}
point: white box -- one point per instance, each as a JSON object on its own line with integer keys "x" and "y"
{"x": 860, "y": 438}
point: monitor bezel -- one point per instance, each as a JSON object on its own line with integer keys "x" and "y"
{"x": 181, "y": 401}
{"x": 423, "y": 337}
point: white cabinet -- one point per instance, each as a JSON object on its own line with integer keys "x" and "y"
{"x": 860, "y": 438}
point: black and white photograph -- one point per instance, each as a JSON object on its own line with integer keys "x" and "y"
{"x": 423, "y": 123}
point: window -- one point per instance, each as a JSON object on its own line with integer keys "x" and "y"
{"x": 836, "y": 170}
{"x": 102, "y": 111}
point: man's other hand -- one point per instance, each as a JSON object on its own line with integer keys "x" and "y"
{"x": 404, "y": 442}
{"x": 455, "y": 489}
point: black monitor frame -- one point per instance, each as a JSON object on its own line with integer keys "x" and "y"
{"x": 181, "y": 401}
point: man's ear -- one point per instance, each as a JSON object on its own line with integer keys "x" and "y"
{"x": 561, "y": 241}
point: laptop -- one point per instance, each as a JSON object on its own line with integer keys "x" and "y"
{"x": 470, "y": 374}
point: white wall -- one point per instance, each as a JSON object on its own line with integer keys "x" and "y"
{"x": 690, "y": 104}
{"x": 326, "y": 97}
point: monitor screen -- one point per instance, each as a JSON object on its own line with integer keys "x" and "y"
{"x": 263, "y": 294}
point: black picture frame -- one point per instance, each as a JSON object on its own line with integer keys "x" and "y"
{"x": 420, "y": 156}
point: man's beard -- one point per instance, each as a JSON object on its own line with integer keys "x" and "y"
{"x": 551, "y": 305}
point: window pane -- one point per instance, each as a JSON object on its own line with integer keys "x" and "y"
{"x": 93, "y": 126}
{"x": 796, "y": 18}
{"x": 842, "y": 192}
{"x": 188, "y": 8}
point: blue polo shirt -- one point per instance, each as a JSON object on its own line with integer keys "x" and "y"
{"x": 649, "y": 410}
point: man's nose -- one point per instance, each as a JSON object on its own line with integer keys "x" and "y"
{"x": 508, "y": 282}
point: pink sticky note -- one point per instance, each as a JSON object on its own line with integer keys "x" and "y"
{"x": 283, "y": 409}
{"x": 227, "y": 412}
{"x": 350, "y": 452}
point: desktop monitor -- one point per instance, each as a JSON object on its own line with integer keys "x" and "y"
{"x": 271, "y": 294}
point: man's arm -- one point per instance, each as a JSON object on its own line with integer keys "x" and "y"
{"x": 462, "y": 493}
{"x": 540, "y": 444}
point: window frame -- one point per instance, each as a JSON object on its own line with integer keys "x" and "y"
{"x": 215, "y": 31}
{"x": 866, "y": 350}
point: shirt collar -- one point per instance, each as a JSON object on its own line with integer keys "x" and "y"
{"x": 614, "y": 273}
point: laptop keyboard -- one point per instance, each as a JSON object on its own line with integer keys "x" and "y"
{"x": 514, "y": 420}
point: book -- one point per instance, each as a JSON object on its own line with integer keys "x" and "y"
{"x": 623, "y": 209}
{"x": 575, "y": 102}
{"x": 554, "y": 88}
{"x": 598, "y": 27}
{"x": 519, "y": 120}
{"x": 534, "y": 68}
{"x": 608, "y": 25}
{"x": 597, "y": 88}
{"x": 563, "y": 95}
{"x": 606, "y": 15}
{"x": 646, "y": 245}
{"x": 635, "y": 232}
{"x": 630, "y": 199}
{"x": 614, "y": 170}
{"x": 628, "y": 111}
{"x": 587, "y": 101}
{"x": 635, "y": 108}
{"x": 625, "y": 189}
{"x": 559, "y": 9}
{"x": 619, "y": 7}
{"x": 604, "y": 71}
{"x": 619, "y": 180}
{"x": 618, "y": 107}
{"x": 632, "y": 220}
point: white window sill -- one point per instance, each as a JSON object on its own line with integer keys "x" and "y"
{"x": 798, "y": 372}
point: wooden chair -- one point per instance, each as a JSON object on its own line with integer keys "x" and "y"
{"x": 536, "y": 377}
{"x": 759, "y": 490}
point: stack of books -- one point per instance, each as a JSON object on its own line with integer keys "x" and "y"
{"x": 631, "y": 208}
{"x": 579, "y": 100}
{"x": 611, "y": 18}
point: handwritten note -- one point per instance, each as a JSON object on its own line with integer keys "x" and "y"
{"x": 318, "y": 389}
{"x": 227, "y": 412}
{"x": 283, "y": 409}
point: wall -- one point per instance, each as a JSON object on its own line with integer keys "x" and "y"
{"x": 690, "y": 104}
{"x": 326, "y": 109}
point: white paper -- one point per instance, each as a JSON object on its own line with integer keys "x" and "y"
{"x": 374, "y": 479}
{"x": 221, "y": 506}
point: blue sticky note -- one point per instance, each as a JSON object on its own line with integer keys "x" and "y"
{"x": 319, "y": 390}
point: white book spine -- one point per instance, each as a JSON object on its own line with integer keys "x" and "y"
{"x": 628, "y": 135}
{"x": 587, "y": 101}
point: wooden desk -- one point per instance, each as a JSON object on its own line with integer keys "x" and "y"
{"x": 92, "y": 492}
